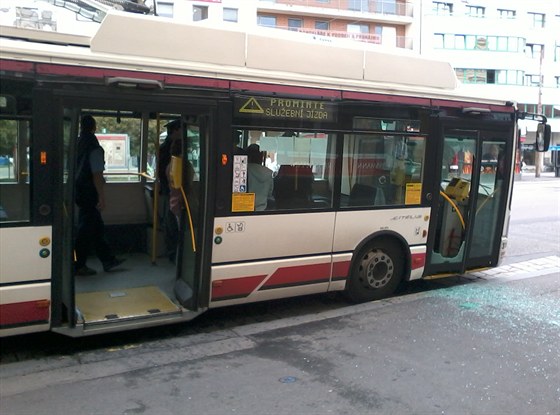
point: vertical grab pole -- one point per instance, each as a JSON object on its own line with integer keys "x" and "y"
{"x": 156, "y": 195}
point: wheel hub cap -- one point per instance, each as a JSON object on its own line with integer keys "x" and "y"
{"x": 377, "y": 269}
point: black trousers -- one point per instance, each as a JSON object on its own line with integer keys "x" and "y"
{"x": 91, "y": 231}
{"x": 170, "y": 227}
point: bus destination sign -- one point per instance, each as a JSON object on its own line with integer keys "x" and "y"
{"x": 285, "y": 108}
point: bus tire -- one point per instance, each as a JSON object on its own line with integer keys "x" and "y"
{"x": 377, "y": 271}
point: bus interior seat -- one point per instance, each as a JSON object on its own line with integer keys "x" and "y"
{"x": 362, "y": 195}
{"x": 293, "y": 187}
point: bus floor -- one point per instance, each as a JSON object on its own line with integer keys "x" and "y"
{"x": 136, "y": 271}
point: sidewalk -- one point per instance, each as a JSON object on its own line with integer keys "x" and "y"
{"x": 529, "y": 176}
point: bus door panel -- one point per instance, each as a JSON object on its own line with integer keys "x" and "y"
{"x": 466, "y": 222}
{"x": 187, "y": 181}
{"x": 133, "y": 292}
{"x": 270, "y": 256}
{"x": 459, "y": 152}
{"x": 491, "y": 201}
{"x": 65, "y": 221}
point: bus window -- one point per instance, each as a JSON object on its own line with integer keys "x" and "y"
{"x": 119, "y": 133}
{"x": 14, "y": 170}
{"x": 300, "y": 163}
{"x": 381, "y": 170}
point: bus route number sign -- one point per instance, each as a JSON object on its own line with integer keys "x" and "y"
{"x": 285, "y": 108}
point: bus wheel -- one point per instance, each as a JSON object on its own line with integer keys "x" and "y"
{"x": 377, "y": 271}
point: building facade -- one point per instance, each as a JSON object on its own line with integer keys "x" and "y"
{"x": 504, "y": 49}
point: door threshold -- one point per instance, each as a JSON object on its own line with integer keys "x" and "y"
{"x": 102, "y": 307}
{"x": 83, "y": 330}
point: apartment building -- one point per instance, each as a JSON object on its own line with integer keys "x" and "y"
{"x": 505, "y": 49}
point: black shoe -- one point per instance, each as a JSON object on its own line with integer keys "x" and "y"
{"x": 115, "y": 262}
{"x": 85, "y": 271}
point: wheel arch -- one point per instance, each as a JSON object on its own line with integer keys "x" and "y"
{"x": 389, "y": 235}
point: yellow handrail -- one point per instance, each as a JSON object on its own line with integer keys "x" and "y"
{"x": 455, "y": 206}
{"x": 190, "y": 218}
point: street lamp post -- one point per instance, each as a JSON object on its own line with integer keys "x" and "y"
{"x": 538, "y": 154}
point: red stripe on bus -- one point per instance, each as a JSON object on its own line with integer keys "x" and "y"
{"x": 298, "y": 275}
{"x": 417, "y": 260}
{"x": 235, "y": 287}
{"x": 341, "y": 270}
{"x": 84, "y": 72}
{"x": 17, "y": 66}
{"x": 247, "y": 87}
{"x": 466, "y": 104}
{"x": 364, "y": 96}
{"x": 194, "y": 81}
{"x": 25, "y": 312}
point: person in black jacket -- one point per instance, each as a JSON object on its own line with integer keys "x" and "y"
{"x": 90, "y": 199}
{"x": 169, "y": 222}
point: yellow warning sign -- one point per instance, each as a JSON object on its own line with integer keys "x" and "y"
{"x": 243, "y": 202}
{"x": 252, "y": 106}
{"x": 413, "y": 194}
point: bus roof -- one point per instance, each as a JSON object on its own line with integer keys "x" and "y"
{"x": 153, "y": 44}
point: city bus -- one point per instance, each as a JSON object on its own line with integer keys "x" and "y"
{"x": 383, "y": 171}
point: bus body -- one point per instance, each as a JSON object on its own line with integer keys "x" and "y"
{"x": 377, "y": 163}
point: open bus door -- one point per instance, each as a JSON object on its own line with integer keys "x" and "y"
{"x": 468, "y": 210}
{"x": 141, "y": 292}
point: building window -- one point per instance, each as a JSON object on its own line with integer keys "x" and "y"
{"x": 475, "y": 11}
{"x": 557, "y": 53}
{"x": 557, "y": 79}
{"x": 460, "y": 41}
{"x": 478, "y": 42}
{"x": 537, "y": 19}
{"x": 268, "y": 21}
{"x": 482, "y": 43}
{"x": 506, "y": 14}
{"x": 164, "y": 9}
{"x": 358, "y": 5}
{"x": 230, "y": 15}
{"x": 532, "y": 80}
{"x": 472, "y": 76}
{"x": 200, "y": 13}
{"x": 534, "y": 50}
{"x": 489, "y": 76}
{"x": 442, "y": 9}
{"x": 295, "y": 24}
{"x": 386, "y": 7}
{"x": 357, "y": 28}
{"x": 321, "y": 25}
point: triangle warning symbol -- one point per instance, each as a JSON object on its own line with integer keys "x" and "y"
{"x": 252, "y": 106}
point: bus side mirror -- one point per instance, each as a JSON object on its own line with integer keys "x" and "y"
{"x": 543, "y": 137}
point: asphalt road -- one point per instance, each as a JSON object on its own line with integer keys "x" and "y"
{"x": 535, "y": 219}
{"x": 484, "y": 344}
{"x": 487, "y": 347}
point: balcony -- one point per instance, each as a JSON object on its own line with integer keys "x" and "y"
{"x": 361, "y": 37}
{"x": 370, "y": 38}
{"x": 385, "y": 8}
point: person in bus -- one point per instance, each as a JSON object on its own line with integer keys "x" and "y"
{"x": 237, "y": 149}
{"x": 90, "y": 198}
{"x": 171, "y": 232}
{"x": 259, "y": 177}
{"x": 176, "y": 200}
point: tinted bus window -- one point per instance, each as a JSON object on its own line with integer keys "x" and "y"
{"x": 14, "y": 170}
{"x": 381, "y": 170}
{"x": 298, "y": 165}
